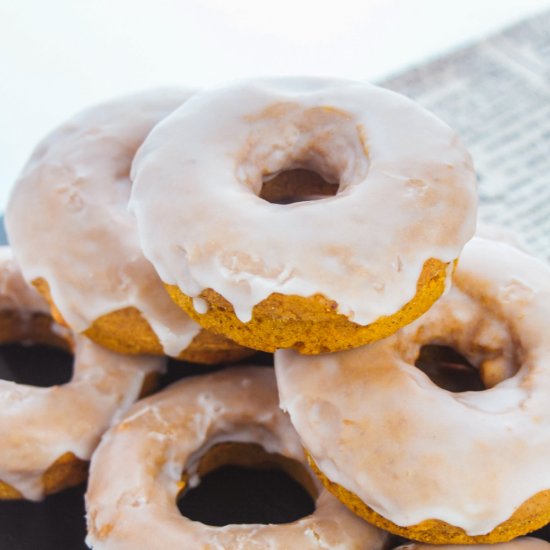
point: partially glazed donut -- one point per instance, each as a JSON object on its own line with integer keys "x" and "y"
{"x": 522, "y": 543}
{"x": 49, "y": 434}
{"x": 424, "y": 462}
{"x": 136, "y": 473}
{"x": 72, "y": 234}
{"x": 315, "y": 275}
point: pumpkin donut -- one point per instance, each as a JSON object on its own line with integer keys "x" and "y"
{"x": 521, "y": 543}
{"x": 49, "y": 434}
{"x": 368, "y": 257}
{"x": 194, "y": 426}
{"x": 75, "y": 240}
{"x": 421, "y": 461}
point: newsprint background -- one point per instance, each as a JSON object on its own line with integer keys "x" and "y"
{"x": 496, "y": 95}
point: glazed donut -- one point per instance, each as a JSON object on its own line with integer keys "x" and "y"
{"x": 316, "y": 275}
{"x": 418, "y": 460}
{"x": 49, "y": 434}
{"x": 194, "y": 426}
{"x": 75, "y": 240}
{"x": 522, "y": 543}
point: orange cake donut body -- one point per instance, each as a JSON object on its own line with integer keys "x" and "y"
{"x": 310, "y": 325}
{"x": 315, "y": 275}
{"x": 72, "y": 234}
{"x": 49, "y": 434}
{"x": 424, "y": 462}
{"x": 136, "y": 473}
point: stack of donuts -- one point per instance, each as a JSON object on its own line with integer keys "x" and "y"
{"x": 329, "y": 223}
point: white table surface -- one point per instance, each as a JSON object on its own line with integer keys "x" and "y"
{"x": 58, "y": 56}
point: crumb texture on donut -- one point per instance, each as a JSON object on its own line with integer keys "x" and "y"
{"x": 7, "y": 492}
{"x": 127, "y": 331}
{"x": 309, "y": 325}
{"x": 113, "y": 331}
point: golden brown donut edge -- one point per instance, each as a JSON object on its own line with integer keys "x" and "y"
{"x": 533, "y": 514}
{"x": 126, "y": 331}
{"x": 67, "y": 471}
{"x": 310, "y": 325}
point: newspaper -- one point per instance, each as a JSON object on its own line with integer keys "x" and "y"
{"x": 496, "y": 95}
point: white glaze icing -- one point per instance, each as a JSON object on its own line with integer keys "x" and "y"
{"x": 38, "y": 425}
{"x": 68, "y": 222}
{"x": 135, "y": 473}
{"x": 495, "y": 232}
{"x": 521, "y": 543}
{"x": 407, "y": 194}
{"x": 15, "y": 293}
{"x": 412, "y": 451}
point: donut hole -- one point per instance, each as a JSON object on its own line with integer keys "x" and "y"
{"x": 297, "y": 185}
{"x": 241, "y": 483}
{"x": 449, "y": 369}
{"x": 31, "y": 352}
{"x": 295, "y": 153}
{"x": 35, "y": 365}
